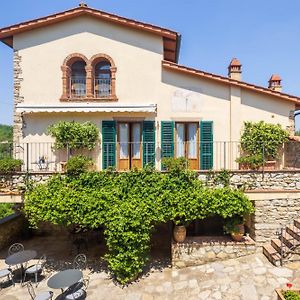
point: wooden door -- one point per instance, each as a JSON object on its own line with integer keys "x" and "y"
{"x": 123, "y": 146}
{"x": 136, "y": 145}
{"x": 187, "y": 143}
{"x": 192, "y": 145}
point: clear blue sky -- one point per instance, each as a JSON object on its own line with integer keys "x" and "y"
{"x": 264, "y": 35}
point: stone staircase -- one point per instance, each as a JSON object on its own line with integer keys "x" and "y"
{"x": 291, "y": 240}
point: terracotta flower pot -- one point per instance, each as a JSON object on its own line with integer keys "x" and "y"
{"x": 238, "y": 236}
{"x": 179, "y": 233}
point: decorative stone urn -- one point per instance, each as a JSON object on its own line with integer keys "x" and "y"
{"x": 179, "y": 233}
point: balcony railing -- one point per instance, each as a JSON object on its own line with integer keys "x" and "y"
{"x": 102, "y": 88}
{"x": 43, "y": 157}
{"x": 78, "y": 87}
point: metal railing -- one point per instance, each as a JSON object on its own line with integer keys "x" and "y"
{"x": 77, "y": 87}
{"x": 43, "y": 156}
{"x": 102, "y": 88}
{"x": 289, "y": 244}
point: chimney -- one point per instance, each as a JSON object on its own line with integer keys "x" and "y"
{"x": 82, "y": 4}
{"x": 235, "y": 69}
{"x": 275, "y": 83}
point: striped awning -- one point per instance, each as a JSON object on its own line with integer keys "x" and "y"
{"x": 86, "y": 108}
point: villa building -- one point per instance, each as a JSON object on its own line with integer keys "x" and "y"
{"x": 123, "y": 75}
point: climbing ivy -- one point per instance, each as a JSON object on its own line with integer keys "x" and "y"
{"x": 128, "y": 205}
{"x": 260, "y": 142}
{"x": 74, "y": 134}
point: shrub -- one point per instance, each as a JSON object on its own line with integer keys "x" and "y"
{"x": 10, "y": 165}
{"x": 77, "y": 165}
{"x": 251, "y": 161}
{"x": 128, "y": 205}
{"x": 6, "y": 209}
{"x": 261, "y": 135}
{"x": 74, "y": 135}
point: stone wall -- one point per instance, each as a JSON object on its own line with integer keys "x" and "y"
{"x": 256, "y": 180}
{"x": 272, "y": 212}
{"x": 17, "y": 182}
{"x": 11, "y": 228}
{"x": 292, "y": 154}
{"x": 196, "y": 251}
{"x": 18, "y": 122}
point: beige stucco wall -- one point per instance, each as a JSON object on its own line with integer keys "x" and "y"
{"x": 140, "y": 79}
{"x": 44, "y": 50}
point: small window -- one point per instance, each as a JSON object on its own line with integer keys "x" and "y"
{"x": 102, "y": 83}
{"x": 78, "y": 80}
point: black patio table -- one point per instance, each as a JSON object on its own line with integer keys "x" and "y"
{"x": 20, "y": 258}
{"x": 64, "y": 279}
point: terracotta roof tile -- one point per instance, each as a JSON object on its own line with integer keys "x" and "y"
{"x": 171, "y": 53}
{"x": 226, "y": 80}
{"x": 235, "y": 63}
{"x": 275, "y": 77}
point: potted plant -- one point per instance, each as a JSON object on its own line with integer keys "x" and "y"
{"x": 179, "y": 231}
{"x": 290, "y": 294}
{"x": 235, "y": 227}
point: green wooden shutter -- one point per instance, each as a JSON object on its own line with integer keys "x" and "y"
{"x": 149, "y": 143}
{"x": 108, "y": 144}
{"x": 206, "y": 145}
{"x": 167, "y": 139}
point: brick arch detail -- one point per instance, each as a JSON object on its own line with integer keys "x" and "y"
{"x": 97, "y": 58}
{"x": 70, "y": 59}
{"x": 101, "y": 56}
{"x": 66, "y": 70}
{"x": 90, "y": 64}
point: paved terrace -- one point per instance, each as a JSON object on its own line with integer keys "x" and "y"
{"x": 248, "y": 278}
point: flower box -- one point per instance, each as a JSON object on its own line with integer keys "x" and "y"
{"x": 280, "y": 293}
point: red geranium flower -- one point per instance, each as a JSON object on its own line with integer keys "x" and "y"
{"x": 289, "y": 285}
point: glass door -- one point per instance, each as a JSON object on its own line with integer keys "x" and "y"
{"x": 123, "y": 146}
{"x": 136, "y": 150}
{"x": 187, "y": 143}
{"x": 129, "y": 145}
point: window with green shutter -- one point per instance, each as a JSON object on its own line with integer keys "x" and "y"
{"x": 167, "y": 139}
{"x": 108, "y": 144}
{"x": 148, "y": 143}
{"x": 206, "y": 145}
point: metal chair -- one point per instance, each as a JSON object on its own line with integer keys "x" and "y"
{"x": 40, "y": 296}
{"x": 77, "y": 291}
{"x": 6, "y": 273}
{"x": 14, "y": 248}
{"x": 80, "y": 262}
{"x": 36, "y": 269}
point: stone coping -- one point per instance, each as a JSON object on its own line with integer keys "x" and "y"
{"x": 272, "y": 191}
{"x": 251, "y": 171}
{"x": 199, "y": 241}
{"x": 9, "y": 218}
{"x": 198, "y": 171}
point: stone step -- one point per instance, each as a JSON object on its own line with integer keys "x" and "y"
{"x": 289, "y": 240}
{"x": 276, "y": 244}
{"x": 271, "y": 254}
{"x": 293, "y": 231}
{"x": 297, "y": 223}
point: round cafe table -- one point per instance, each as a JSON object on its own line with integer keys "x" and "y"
{"x": 20, "y": 258}
{"x": 64, "y": 279}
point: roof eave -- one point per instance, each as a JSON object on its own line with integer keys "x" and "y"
{"x": 226, "y": 80}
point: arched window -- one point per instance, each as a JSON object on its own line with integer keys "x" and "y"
{"x": 78, "y": 79}
{"x": 91, "y": 79}
{"x": 102, "y": 79}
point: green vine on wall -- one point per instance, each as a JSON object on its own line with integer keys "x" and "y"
{"x": 261, "y": 142}
{"x": 128, "y": 205}
{"x": 74, "y": 135}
